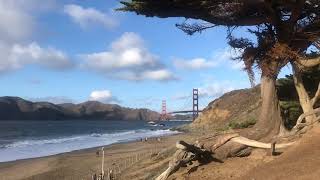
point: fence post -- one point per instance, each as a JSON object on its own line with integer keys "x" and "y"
{"x": 119, "y": 169}
{"x": 273, "y": 148}
{"x": 102, "y": 162}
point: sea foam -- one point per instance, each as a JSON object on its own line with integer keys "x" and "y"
{"x": 33, "y": 148}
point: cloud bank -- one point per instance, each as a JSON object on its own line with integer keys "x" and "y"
{"x": 221, "y": 57}
{"x": 128, "y": 59}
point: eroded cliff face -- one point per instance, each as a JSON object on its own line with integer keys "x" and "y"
{"x": 235, "y": 106}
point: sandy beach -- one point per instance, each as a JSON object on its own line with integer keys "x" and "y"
{"x": 145, "y": 160}
{"x": 123, "y": 158}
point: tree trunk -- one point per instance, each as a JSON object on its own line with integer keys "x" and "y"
{"x": 270, "y": 121}
{"x": 304, "y": 98}
{"x": 316, "y": 96}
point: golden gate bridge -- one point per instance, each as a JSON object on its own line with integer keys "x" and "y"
{"x": 195, "y": 107}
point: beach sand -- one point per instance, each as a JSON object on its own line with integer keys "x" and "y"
{"x": 147, "y": 159}
{"x": 125, "y": 159}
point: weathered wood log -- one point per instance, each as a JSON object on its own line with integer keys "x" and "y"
{"x": 188, "y": 147}
{"x": 273, "y": 149}
{"x": 257, "y": 144}
{"x": 302, "y": 116}
{"x": 228, "y": 145}
{"x": 180, "y": 158}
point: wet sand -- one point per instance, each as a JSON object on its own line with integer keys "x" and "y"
{"x": 82, "y": 164}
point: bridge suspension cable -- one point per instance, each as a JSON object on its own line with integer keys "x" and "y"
{"x": 195, "y": 105}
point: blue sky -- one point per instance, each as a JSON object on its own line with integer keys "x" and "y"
{"x": 74, "y": 51}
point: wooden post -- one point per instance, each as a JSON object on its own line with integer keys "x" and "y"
{"x": 119, "y": 170}
{"x": 273, "y": 148}
{"x": 102, "y": 162}
{"x": 110, "y": 174}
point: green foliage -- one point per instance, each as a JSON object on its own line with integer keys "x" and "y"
{"x": 286, "y": 89}
{"x": 224, "y": 128}
{"x": 240, "y": 125}
{"x": 290, "y": 111}
{"x": 289, "y": 100}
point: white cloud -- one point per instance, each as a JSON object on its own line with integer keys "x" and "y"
{"x": 211, "y": 90}
{"x": 128, "y": 59}
{"x": 161, "y": 75}
{"x": 215, "y": 89}
{"x": 196, "y": 63}
{"x": 17, "y": 56}
{"x": 104, "y": 96}
{"x": 87, "y": 17}
{"x": 17, "y": 25}
{"x": 17, "y": 18}
{"x": 48, "y": 57}
{"x": 220, "y": 57}
{"x": 225, "y": 57}
{"x": 237, "y": 65}
{"x": 15, "y": 22}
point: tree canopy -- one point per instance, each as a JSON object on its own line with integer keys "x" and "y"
{"x": 284, "y": 28}
{"x": 303, "y": 15}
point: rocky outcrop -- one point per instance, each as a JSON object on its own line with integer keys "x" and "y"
{"x": 15, "y": 108}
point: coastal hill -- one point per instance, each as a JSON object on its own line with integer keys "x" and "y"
{"x": 15, "y": 108}
{"x": 235, "y": 108}
{"x": 241, "y": 108}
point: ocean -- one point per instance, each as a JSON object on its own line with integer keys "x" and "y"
{"x": 30, "y": 139}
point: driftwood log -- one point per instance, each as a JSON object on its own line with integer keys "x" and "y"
{"x": 299, "y": 125}
{"x": 213, "y": 148}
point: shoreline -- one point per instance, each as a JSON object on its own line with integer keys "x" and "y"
{"x": 29, "y": 149}
{"x": 95, "y": 147}
{"x": 55, "y": 165}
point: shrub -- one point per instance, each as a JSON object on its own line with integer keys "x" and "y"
{"x": 240, "y": 125}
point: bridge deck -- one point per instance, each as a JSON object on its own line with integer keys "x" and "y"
{"x": 188, "y": 111}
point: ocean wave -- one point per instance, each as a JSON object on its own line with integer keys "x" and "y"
{"x": 41, "y": 142}
{"x": 43, "y": 147}
{"x": 186, "y": 120}
{"x": 121, "y": 136}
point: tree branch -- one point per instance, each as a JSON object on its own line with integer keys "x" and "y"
{"x": 316, "y": 96}
{"x": 218, "y": 12}
{"x": 317, "y": 44}
{"x": 296, "y": 12}
{"x": 308, "y": 62}
{"x": 190, "y": 29}
{"x": 302, "y": 116}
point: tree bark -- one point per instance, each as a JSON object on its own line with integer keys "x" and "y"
{"x": 270, "y": 121}
{"x": 316, "y": 96}
{"x": 304, "y": 98}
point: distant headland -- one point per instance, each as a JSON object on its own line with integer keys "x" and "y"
{"x": 16, "y": 108}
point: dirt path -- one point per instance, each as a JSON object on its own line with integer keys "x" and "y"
{"x": 299, "y": 162}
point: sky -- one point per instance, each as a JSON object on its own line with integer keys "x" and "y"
{"x": 74, "y": 51}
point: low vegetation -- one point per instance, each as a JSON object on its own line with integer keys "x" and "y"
{"x": 240, "y": 125}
